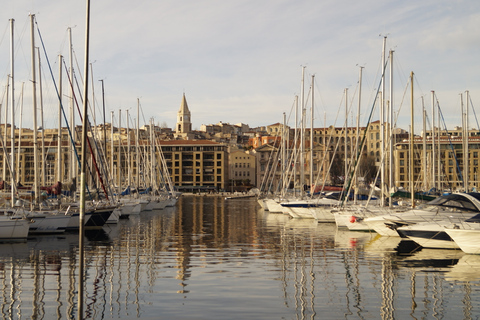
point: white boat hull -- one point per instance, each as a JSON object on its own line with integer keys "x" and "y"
{"x": 13, "y": 228}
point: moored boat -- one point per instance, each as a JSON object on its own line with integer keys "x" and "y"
{"x": 452, "y": 206}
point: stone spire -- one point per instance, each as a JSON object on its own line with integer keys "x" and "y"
{"x": 184, "y": 126}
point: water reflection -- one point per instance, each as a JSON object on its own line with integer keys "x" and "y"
{"x": 212, "y": 258}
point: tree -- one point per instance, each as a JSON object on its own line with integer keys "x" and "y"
{"x": 337, "y": 171}
{"x": 367, "y": 168}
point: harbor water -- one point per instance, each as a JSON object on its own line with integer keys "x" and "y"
{"x": 211, "y": 258}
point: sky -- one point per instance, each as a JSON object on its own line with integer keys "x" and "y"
{"x": 241, "y": 61}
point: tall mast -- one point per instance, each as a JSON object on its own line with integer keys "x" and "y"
{"x": 112, "y": 152}
{"x": 464, "y": 144}
{"x": 12, "y": 104}
{"x": 42, "y": 124}
{"x": 312, "y": 113}
{"x": 357, "y": 138}
{"x": 5, "y": 127}
{"x": 434, "y": 174}
{"x": 295, "y": 146}
{"x": 466, "y": 155}
{"x": 390, "y": 128}
{"x": 81, "y": 275}
{"x": 424, "y": 148}
{"x": 104, "y": 120}
{"x": 59, "y": 134}
{"x": 152, "y": 156}
{"x": 20, "y": 128}
{"x": 346, "y": 137}
{"x": 439, "y": 168}
{"x": 382, "y": 127}
{"x": 129, "y": 173}
{"x": 302, "y": 134}
{"x": 137, "y": 156}
{"x": 73, "y": 163}
{"x": 412, "y": 137}
{"x": 119, "y": 157}
{"x": 34, "y": 101}
{"x": 284, "y": 155}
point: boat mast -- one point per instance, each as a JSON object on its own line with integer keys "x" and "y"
{"x": 119, "y": 157}
{"x": 390, "y": 129}
{"x": 464, "y": 144}
{"x": 59, "y": 134}
{"x": 5, "y": 128}
{"x": 424, "y": 148}
{"x": 295, "y": 146}
{"x": 434, "y": 176}
{"x": 382, "y": 127}
{"x": 81, "y": 276}
{"x": 152, "y": 157}
{"x": 312, "y": 113}
{"x": 34, "y": 101}
{"x": 42, "y": 124}
{"x": 466, "y": 156}
{"x": 284, "y": 154}
{"x": 112, "y": 168}
{"x": 137, "y": 158}
{"x": 12, "y": 123}
{"x": 20, "y": 128}
{"x": 357, "y": 151}
{"x": 439, "y": 160}
{"x": 302, "y": 135}
{"x": 73, "y": 163}
{"x": 412, "y": 137}
{"x": 346, "y": 137}
{"x": 129, "y": 175}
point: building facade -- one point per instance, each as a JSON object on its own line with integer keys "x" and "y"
{"x": 196, "y": 164}
{"x": 241, "y": 168}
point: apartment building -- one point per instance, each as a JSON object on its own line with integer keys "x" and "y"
{"x": 446, "y": 162}
{"x": 241, "y": 168}
{"x": 196, "y": 164}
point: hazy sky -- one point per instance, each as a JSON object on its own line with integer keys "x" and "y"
{"x": 241, "y": 60}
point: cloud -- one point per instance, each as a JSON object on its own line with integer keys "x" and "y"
{"x": 240, "y": 61}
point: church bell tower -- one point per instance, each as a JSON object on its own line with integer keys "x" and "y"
{"x": 184, "y": 126}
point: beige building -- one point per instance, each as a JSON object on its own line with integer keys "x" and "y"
{"x": 442, "y": 163}
{"x": 241, "y": 168}
{"x": 273, "y": 176}
{"x": 196, "y": 164}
